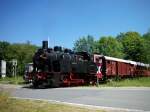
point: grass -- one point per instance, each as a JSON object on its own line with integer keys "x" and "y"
{"x": 16, "y": 105}
{"x": 132, "y": 82}
{"x": 137, "y": 82}
{"x": 12, "y": 80}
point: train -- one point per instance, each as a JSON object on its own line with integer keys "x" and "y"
{"x": 62, "y": 67}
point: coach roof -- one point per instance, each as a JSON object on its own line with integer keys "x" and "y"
{"x": 116, "y": 59}
{"x": 126, "y": 61}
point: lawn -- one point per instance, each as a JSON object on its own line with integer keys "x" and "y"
{"x": 12, "y": 80}
{"x": 18, "y": 105}
{"x": 135, "y": 82}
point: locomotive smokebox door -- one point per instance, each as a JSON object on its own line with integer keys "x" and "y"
{"x": 45, "y": 45}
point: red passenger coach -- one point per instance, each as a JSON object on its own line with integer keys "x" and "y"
{"x": 142, "y": 69}
{"x": 115, "y": 66}
{"x": 123, "y": 68}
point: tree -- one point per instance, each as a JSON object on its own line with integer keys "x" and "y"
{"x": 23, "y": 53}
{"x": 3, "y": 50}
{"x": 132, "y": 45}
{"x": 85, "y": 44}
{"x": 146, "y": 48}
{"x": 120, "y": 37}
{"x": 109, "y": 46}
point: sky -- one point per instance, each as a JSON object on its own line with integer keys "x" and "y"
{"x": 65, "y": 21}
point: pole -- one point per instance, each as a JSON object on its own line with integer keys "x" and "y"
{"x": 13, "y": 71}
{"x": 97, "y": 81}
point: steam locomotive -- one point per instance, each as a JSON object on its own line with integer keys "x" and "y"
{"x": 63, "y": 67}
{"x": 57, "y": 67}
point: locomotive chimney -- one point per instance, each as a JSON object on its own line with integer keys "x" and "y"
{"x": 45, "y": 45}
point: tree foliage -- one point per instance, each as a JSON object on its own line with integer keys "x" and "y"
{"x": 146, "y": 47}
{"x": 22, "y": 52}
{"x": 109, "y": 46}
{"x": 132, "y": 46}
{"x": 128, "y": 45}
{"x": 85, "y": 44}
{"x": 4, "y": 50}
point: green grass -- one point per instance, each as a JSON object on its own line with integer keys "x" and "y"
{"x": 16, "y": 105}
{"x": 12, "y": 80}
{"x": 136, "y": 82}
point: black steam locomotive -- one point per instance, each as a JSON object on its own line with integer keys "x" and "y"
{"x": 57, "y": 67}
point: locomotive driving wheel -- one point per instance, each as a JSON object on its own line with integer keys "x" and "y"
{"x": 65, "y": 80}
{"x": 35, "y": 82}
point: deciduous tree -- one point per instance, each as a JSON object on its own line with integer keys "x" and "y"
{"x": 109, "y": 46}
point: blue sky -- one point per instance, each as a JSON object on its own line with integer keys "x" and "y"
{"x": 64, "y": 21}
